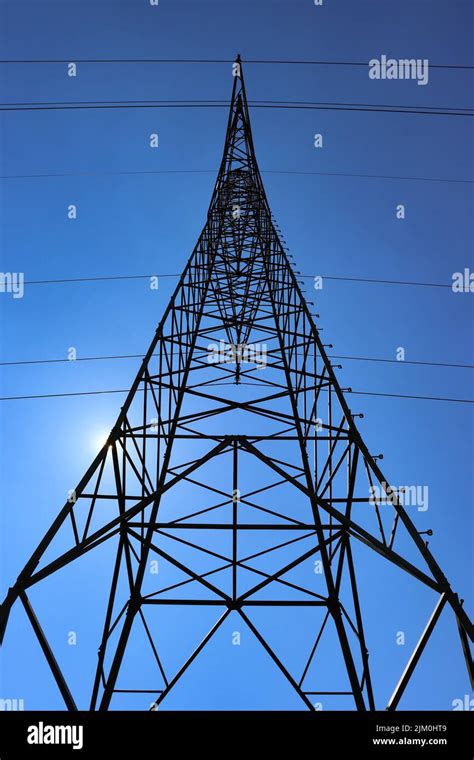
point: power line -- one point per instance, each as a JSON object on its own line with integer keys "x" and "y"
{"x": 140, "y": 356}
{"x": 62, "y": 395}
{"x": 370, "y": 108}
{"x": 114, "y": 173}
{"x": 405, "y": 361}
{"x": 214, "y": 171}
{"x": 258, "y": 101}
{"x": 372, "y": 105}
{"x": 126, "y": 390}
{"x": 305, "y": 276}
{"x": 372, "y": 176}
{"x": 348, "y": 63}
{"x": 421, "y": 398}
{"x": 210, "y": 61}
{"x": 120, "y": 60}
{"x": 383, "y": 282}
{"x": 98, "y": 279}
{"x": 78, "y": 359}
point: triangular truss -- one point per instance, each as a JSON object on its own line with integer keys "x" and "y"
{"x": 236, "y": 462}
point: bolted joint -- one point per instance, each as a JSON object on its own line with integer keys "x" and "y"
{"x": 134, "y": 604}
{"x": 333, "y": 605}
{"x": 234, "y": 604}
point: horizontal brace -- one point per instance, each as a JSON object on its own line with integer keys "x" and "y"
{"x": 230, "y": 526}
{"x": 333, "y": 693}
{"x": 237, "y": 603}
{"x": 137, "y": 691}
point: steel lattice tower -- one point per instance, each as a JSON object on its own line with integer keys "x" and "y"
{"x": 237, "y": 451}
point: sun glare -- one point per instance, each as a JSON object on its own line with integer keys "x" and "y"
{"x": 100, "y": 440}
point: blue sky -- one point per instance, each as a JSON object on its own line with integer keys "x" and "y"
{"x": 148, "y": 223}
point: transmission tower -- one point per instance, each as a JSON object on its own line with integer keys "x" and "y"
{"x": 236, "y": 463}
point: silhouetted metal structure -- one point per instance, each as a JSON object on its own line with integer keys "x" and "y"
{"x": 236, "y": 444}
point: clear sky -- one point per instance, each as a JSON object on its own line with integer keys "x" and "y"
{"x": 140, "y": 210}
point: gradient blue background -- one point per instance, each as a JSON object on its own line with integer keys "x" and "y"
{"x": 143, "y": 224}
